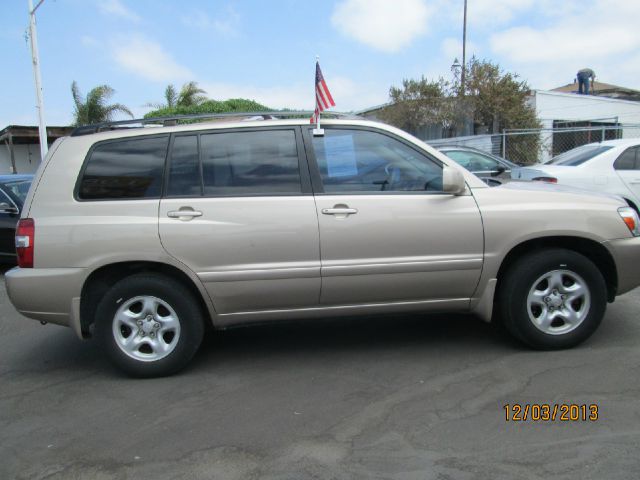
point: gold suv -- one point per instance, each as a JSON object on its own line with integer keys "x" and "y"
{"x": 142, "y": 236}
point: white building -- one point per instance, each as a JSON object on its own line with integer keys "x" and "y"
{"x": 20, "y": 147}
{"x": 563, "y": 108}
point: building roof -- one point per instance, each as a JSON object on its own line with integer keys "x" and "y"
{"x": 21, "y": 134}
{"x": 601, "y": 89}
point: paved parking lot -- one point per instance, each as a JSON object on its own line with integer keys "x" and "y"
{"x": 397, "y": 397}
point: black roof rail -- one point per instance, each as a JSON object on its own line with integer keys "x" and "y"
{"x": 174, "y": 119}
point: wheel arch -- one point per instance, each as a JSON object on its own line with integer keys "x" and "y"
{"x": 594, "y": 251}
{"x": 103, "y": 278}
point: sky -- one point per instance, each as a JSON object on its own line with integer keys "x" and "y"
{"x": 265, "y": 50}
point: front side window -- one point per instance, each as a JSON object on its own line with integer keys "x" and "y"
{"x": 250, "y": 163}
{"x": 125, "y": 169}
{"x": 365, "y": 161}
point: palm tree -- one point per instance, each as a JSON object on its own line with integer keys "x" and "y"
{"x": 171, "y": 96}
{"x": 190, "y": 94}
{"x": 94, "y": 108}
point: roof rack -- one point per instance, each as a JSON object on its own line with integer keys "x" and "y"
{"x": 174, "y": 119}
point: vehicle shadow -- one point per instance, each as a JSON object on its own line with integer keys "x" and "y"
{"x": 371, "y": 335}
{"x": 270, "y": 344}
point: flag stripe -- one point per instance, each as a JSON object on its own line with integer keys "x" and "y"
{"x": 320, "y": 97}
{"x": 327, "y": 93}
{"x": 324, "y": 100}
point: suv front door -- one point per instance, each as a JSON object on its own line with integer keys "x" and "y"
{"x": 387, "y": 231}
{"x": 238, "y": 210}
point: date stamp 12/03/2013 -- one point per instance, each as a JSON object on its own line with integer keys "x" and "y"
{"x": 547, "y": 412}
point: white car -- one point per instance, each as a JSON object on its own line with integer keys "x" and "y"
{"x": 612, "y": 167}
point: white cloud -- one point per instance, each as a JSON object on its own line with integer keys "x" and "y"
{"x": 382, "y": 24}
{"x": 452, "y": 48}
{"x": 567, "y": 42}
{"x": 115, "y": 7}
{"x": 347, "y": 94}
{"x": 226, "y": 25}
{"x": 147, "y": 59}
{"x": 89, "y": 41}
{"x": 600, "y": 34}
{"x": 492, "y": 13}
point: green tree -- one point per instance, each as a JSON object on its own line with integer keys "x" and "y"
{"x": 190, "y": 95}
{"x": 210, "y": 106}
{"x": 492, "y": 99}
{"x": 170, "y": 96}
{"x": 498, "y": 99}
{"x": 418, "y": 103}
{"x": 94, "y": 108}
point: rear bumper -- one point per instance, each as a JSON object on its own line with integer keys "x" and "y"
{"x": 626, "y": 254}
{"x": 47, "y": 294}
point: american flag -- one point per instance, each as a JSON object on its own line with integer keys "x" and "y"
{"x": 324, "y": 99}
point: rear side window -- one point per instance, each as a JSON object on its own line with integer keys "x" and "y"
{"x": 627, "y": 160}
{"x": 184, "y": 171}
{"x": 125, "y": 169}
{"x": 250, "y": 163}
{"x": 579, "y": 155}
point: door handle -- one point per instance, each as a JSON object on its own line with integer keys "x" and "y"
{"x": 635, "y": 181}
{"x": 339, "y": 211}
{"x": 187, "y": 212}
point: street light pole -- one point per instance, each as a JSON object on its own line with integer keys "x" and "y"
{"x": 35, "y": 59}
{"x": 464, "y": 48}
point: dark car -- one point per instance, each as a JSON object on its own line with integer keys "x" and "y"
{"x": 13, "y": 191}
{"x": 483, "y": 164}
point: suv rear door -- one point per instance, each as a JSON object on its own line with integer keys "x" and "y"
{"x": 387, "y": 231}
{"x": 238, "y": 210}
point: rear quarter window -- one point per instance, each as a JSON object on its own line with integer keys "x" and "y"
{"x": 124, "y": 169}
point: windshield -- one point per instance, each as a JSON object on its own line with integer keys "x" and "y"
{"x": 578, "y": 155}
{"x": 17, "y": 188}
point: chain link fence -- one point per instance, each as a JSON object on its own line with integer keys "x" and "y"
{"x": 530, "y": 146}
{"x": 526, "y": 147}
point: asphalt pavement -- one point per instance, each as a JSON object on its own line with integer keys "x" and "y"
{"x": 410, "y": 397}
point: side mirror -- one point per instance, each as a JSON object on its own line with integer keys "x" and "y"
{"x": 453, "y": 181}
{"x": 498, "y": 171}
{"x": 6, "y": 208}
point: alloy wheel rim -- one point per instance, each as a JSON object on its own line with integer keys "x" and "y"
{"x": 558, "y": 302}
{"x": 146, "y": 328}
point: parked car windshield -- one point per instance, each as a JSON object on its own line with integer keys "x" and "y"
{"x": 17, "y": 188}
{"x": 477, "y": 161}
{"x": 578, "y": 155}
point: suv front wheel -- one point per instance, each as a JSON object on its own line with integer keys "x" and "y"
{"x": 552, "y": 299}
{"x": 149, "y": 325}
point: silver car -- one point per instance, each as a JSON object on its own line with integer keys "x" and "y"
{"x": 141, "y": 237}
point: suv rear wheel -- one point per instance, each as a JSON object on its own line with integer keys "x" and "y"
{"x": 149, "y": 325}
{"x": 552, "y": 299}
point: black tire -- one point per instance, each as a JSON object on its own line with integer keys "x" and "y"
{"x": 523, "y": 276}
{"x": 168, "y": 292}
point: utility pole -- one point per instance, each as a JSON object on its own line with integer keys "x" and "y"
{"x": 464, "y": 49}
{"x": 35, "y": 59}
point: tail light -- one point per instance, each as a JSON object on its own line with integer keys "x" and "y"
{"x": 25, "y": 233}
{"x": 545, "y": 179}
